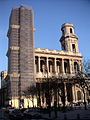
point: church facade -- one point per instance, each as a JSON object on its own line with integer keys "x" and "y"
{"x": 63, "y": 63}
{"x": 29, "y": 66}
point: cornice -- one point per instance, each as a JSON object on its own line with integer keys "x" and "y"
{"x": 57, "y": 52}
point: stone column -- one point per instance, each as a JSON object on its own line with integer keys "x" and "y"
{"x": 39, "y": 64}
{"x": 55, "y": 65}
{"x": 70, "y": 65}
{"x": 73, "y": 93}
{"x": 62, "y": 65}
{"x": 65, "y": 89}
{"x": 47, "y": 65}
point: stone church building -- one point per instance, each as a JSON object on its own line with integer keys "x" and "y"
{"x": 29, "y": 66}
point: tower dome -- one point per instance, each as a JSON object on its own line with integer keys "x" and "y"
{"x": 67, "y": 29}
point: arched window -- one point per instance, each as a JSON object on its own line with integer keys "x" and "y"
{"x": 78, "y": 95}
{"x": 76, "y": 67}
{"x": 70, "y": 30}
{"x": 73, "y": 48}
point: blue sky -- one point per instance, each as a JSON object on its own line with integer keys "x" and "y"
{"x": 49, "y": 15}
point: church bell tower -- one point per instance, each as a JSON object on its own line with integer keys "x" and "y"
{"x": 69, "y": 41}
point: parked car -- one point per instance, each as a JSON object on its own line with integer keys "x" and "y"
{"x": 23, "y": 109}
{"x": 15, "y": 114}
{"x": 10, "y": 109}
{"x": 32, "y": 113}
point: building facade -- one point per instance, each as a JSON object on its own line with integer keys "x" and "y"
{"x": 29, "y": 66}
{"x": 63, "y": 63}
{"x": 3, "y": 76}
{"x": 3, "y": 89}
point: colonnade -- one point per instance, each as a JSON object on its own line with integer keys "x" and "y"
{"x": 64, "y": 91}
{"x": 55, "y": 65}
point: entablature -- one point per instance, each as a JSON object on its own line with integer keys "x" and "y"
{"x": 57, "y": 53}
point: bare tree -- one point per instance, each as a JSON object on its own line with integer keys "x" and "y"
{"x": 82, "y": 82}
{"x": 86, "y": 67}
{"x": 86, "y": 70}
